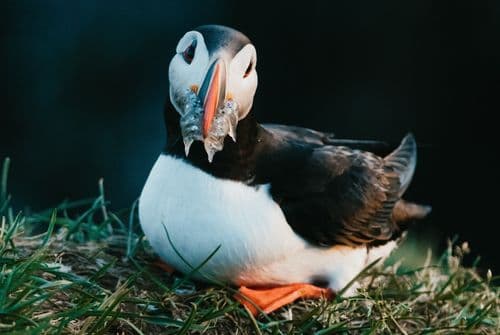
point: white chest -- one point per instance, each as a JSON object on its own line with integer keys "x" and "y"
{"x": 201, "y": 212}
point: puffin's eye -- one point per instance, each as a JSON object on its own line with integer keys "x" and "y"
{"x": 248, "y": 70}
{"x": 188, "y": 54}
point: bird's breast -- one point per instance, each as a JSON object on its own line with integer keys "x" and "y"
{"x": 186, "y": 211}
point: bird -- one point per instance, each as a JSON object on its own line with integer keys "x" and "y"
{"x": 282, "y": 212}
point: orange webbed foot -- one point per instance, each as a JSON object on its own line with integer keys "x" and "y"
{"x": 270, "y": 299}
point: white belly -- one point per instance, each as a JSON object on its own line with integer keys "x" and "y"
{"x": 257, "y": 246}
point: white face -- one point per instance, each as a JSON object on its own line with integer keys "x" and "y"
{"x": 189, "y": 67}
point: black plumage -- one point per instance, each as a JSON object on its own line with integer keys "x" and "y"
{"x": 220, "y": 37}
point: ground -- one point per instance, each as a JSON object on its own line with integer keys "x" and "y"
{"x": 83, "y": 269}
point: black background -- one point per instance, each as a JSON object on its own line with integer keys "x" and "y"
{"x": 84, "y": 83}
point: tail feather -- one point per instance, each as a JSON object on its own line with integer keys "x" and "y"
{"x": 405, "y": 211}
{"x": 403, "y": 161}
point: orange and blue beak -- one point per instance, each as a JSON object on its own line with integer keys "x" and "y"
{"x": 212, "y": 93}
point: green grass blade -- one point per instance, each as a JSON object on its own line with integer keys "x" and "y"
{"x": 3, "y": 182}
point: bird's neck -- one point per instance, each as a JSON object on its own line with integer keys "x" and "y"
{"x": 235, "y": 161}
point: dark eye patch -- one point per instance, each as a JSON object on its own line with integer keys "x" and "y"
{"x": 188, "y": 54}
{"x": 248, "y": 70}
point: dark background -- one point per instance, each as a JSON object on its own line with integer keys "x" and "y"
{"x": 84, "y": 83}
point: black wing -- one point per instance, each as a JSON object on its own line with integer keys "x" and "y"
{"x": 334, "y": 194}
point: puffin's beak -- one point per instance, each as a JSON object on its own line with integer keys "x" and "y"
{"x": 212, "y": 93}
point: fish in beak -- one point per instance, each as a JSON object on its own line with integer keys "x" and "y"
{"x": 208, "y": 116}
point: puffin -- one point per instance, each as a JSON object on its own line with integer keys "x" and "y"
{"x": 282, "y": 212}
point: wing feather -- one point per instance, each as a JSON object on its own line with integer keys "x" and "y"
{"x": 341, "y": 195}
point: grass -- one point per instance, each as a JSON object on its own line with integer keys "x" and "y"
{"x": 91, "y": 272}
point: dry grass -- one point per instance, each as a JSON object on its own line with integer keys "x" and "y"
{"x": 92, "y": 272}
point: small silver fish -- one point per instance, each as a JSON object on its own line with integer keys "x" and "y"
{"x": 224, "y": 123}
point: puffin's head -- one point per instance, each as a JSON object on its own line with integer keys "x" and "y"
{"x": 212, "y": 84}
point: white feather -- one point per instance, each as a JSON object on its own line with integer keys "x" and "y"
{"x": 257, "y": 246}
